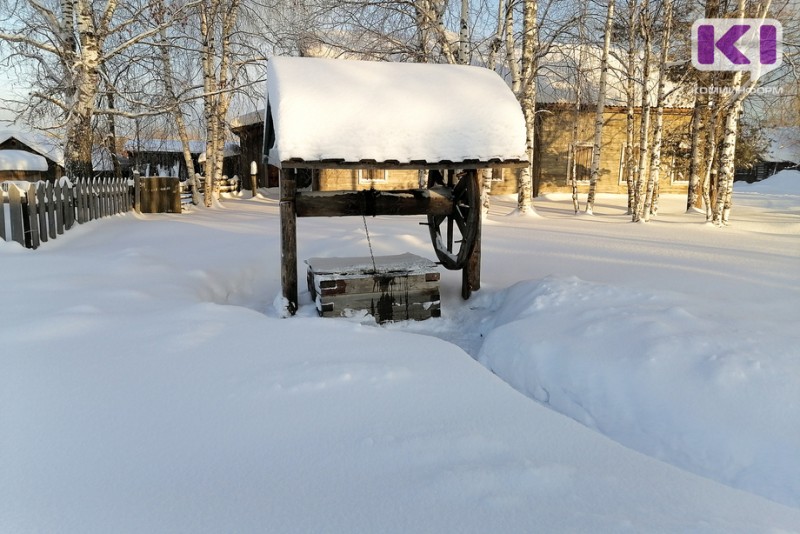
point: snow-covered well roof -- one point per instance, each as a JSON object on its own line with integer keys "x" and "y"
{"x": 355, "y": 111}
{"x": 21, "y": 160}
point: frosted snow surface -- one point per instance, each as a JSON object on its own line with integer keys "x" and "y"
{"x": 153, "y": 387}
{"x": 366, "y": 110}
{"x": 395, "y": 263}
{"x": 21, "y": 160}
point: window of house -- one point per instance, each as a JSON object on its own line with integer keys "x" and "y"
{"x": 582, "y": 157}
{"x": 369, "y": 176}
{"x": 678, "y": 170}
{"x": 623, "y": 159}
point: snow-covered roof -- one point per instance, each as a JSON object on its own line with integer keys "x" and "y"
{"x": 356, "y": 111}
{"x": 21, "y": 160}
{"x": 783, "y": 144}
{"x": 229, "y": 150}
{"x": 247, "y": 119}
{"x": 47, "y": 146}
{"x": 163, "y": 145}
{"x": 558, "y": 73}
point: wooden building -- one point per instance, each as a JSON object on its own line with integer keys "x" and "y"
{"x": 555, "y": 149}
{"x": 163, "y": 157}
{"x": 249, "y": 128}
{"x": 39, "y": 145}
{"x": 782, "y": 151}
{"x": 21, "y": 165}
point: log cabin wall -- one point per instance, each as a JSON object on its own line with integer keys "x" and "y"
{"x": 29, "y": 176}
{"x": 351, "y": 179}
{"x": 54, "y": 170}
{"x": 553, "y": 156}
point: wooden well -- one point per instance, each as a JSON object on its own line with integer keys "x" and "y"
{"x": 394, "y": 288}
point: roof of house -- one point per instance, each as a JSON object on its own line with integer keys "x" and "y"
{"x": 405, "y": 113}
{"x": 558, "y": 78}
{"x": 21, "y": 160}
{"x": 783, "y": 144}
{"x": 163, "y": 145}
{"x": 44, "y": 145}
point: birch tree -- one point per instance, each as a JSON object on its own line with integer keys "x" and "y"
{"x": 645, "y": 28}
{"x": 630, "y": 97}
{"x": 527, "y": 98}
{"x": 496, "y": 44}
{"x": 594, "y": 172}
{"x": 658, "y": 130}
{"x": 697, "y": 129}
{"x": 724, "y": 192}
{"x": 174, "y": 98}
{"x": 69, "y": 43}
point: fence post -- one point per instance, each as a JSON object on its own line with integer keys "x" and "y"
{"x": 79, "y": 201}
{"x": 15, "y": 209}
{"x": 254, "y": 178}
{"x": 33, "y": 217}
{"x": 2, "y": 215}
{"x": 112, "y": 196}
{"x": 90, "y": 188}
{"x": 51, "y": 209}
{"x": 69, "y": 205}
{"x": 104, "y": 195}
{"x": 59, "y": 205}
{"x": 41, "y": 209}
{"x": 137, "y": 192}
{"x": 101, "y": 198}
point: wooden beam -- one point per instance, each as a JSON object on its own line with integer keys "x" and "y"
{"x": 396, "y": 165}
{"x": 471, "y": 274}
{"x": 437, "y": 201}
{"x": 288, "y": 188}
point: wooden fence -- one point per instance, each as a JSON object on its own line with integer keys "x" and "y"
{"x": 44, "y": 210}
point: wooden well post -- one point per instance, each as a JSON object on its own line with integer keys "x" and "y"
{"x": 288, "y": 188}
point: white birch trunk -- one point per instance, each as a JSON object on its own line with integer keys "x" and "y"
{"x": 207, "y": 17}
{"x": 594, "y": 173}
{"x": 421, "y": 11}
{"x": 630, "y": 116}
{"x": 727, "y": 152}
{"x": 488, "y": 174}
{"x": 644, "y": 139}
{"x": 697, "y": 127}
{"x": 78, "y": 147}
{"x": 463, "y": 34}
{"x": 726, "y": 158}
{"x": 710, "y": 157}
{"x": 436, "y": 14}
{"x": 658, "y": 130}
{"x": 528, "y": 101}
{"x": 169, "y": 85}
{"x": 511, "y": 56}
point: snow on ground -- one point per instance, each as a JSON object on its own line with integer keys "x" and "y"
{"x": 147, "y": 383}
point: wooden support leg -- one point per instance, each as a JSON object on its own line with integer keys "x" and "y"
{"x": 288, "y": 239}
{"x": 471, "y": 274}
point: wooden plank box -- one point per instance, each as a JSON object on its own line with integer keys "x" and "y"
{"x": 397, "y": 288}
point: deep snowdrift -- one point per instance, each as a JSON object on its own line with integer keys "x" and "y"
{"x": 147, "y": 384}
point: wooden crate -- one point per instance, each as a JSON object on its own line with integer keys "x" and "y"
{"x": 404, "y": 287}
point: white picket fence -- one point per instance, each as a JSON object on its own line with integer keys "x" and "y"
{"x": 31, "y": 214}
